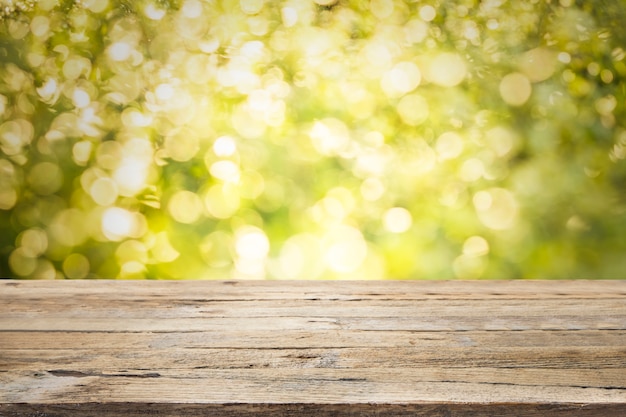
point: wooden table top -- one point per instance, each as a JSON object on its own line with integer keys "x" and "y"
{"x": 333, "y": 348}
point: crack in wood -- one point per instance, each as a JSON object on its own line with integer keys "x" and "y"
{"x": 79, "y": 374}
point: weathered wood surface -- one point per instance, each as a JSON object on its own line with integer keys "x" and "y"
{"x": 388, "y": 348}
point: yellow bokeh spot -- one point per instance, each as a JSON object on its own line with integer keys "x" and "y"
{"x": 133, "y": 168}
{"x": 247, "y": 122}
{"x": 14, "y": 135}
{"x": 96, "y": 6}
{"x": 226, "y": 171}
{"x": 76, "y": 266}
{"x": 251, "y": 184}
{"x": 74, "y": 67}
{"x": 185, "y": 207}
{"x": 344, "y": 249}
{"x": 161, "y": 249}
{"x": 132, "y": 270}
{"x": 134, "y": 118}
{"x": 538, "y": 64}
{"x": 109, "y": 154}
{"x": 475, "y": 246}
{"x": 81, "y": 152}
{"x": 45, "y": 270}
{"x": 182, "y": 145}
{"x": 224, "y": 146}
{"x": 373, "y": 162}
{"x": 447, "y": 69}
{"x": 45, "y": 178}
{"x": 164, "y": 91}
{"x": 49, "y": 91}
{"x": 427, "y": 13}
{"x": 372, "y": 189}
{"x": 289, "y": 16}
{"x": 251, "y": 243}
{"x": 153, "y": 12}
{"x": 192, "y": 9}
{"x": 605, "y": 105}
{"x": 515, "y": 89}
{"x": 449, "y": 145}
{"x": 482, "y": 200}
{"x": 22, "y": 263}
{"x": 330, "y": 136}
{"x": 118, "y": 223}
{"x": 120, "y": 51}
{"x": 606, "y": 76}
{"x": 222, "y": 201}
{"x": 34, "y": 242}
{"x": 378, "y": 58}
{"x": 40, "y": 26}
{"x": 415, "y": 31}
{"x": 252, "y": 247}
{"x": 413, "y": 109}
{"x": 334, "y": 207}
{"x": 8, "y": 193}
{"x": 251, "y": 6}
{"x": 299, "y": 257}
{"x": 68, "y": 227}
{"x": 103, "y": 191}
{"x": 472, "y": 170}
{"x": 130, "y": 250}
{"x": 80, "y": 98}
{"x": 131, "y": 176}
{"x": 397, "y": 220}
{"x": 501, "y": 140}
{"x": 8, "y": 197}
{"x": 215, "y": 249}
{"x": 469, "y": 267}
{"x": 497, "y": 208}
{"x": 403, "y": 78}
{"x": 381, "y": 8}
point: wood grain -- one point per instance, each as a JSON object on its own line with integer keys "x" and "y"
{"x": 382, "y": 348}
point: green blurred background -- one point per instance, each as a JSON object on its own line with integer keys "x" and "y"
{"x": 301, "y": 139}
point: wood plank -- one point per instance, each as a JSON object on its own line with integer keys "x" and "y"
{"x": 181, "y": 358}
{"x": 296, "y": 339}
{"x": 269, "y": 324}
{"x": 312, "y": 385}
{"x": 94, "y": 409}
{"x": 175, "y": 309}
{"x": 333, "y": 290}
{"x": 104, "y": 348}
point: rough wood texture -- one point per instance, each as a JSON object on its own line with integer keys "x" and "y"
{"x": 109, "y": 348}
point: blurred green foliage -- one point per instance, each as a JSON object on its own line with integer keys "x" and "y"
{"x": 301, "y": 139}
